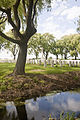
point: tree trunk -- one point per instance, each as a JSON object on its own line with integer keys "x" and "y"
{"x": 14, "y": 56}
{"x": 36, "y": 56}
{"x": 46, "y": 55}
{"x": 65, "y": 56}
{"x": 22, "y": 113}
{"x": 21, "y": 60}
{"x": 75, "y": 57}
{"x": 56, "y": 56}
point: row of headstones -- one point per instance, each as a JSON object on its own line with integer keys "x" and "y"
{"x": 55, "y": 62}
{"x": 7, "y": 61}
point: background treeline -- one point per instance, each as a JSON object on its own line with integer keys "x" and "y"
{"x": 41, "y": 45}
{"x": 67, "y": 46}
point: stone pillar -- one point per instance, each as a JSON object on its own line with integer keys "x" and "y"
{"x": 61, "y": 63}
{"x": 76, "y": 63}
{"x": 48, "y": 62}
{"x": 69, "y": 63}
{"x": 52, "y": 63}
{"x": 39, "y": 62}
{"x": 33, "y": 61}
{"x": 73, "y": 64}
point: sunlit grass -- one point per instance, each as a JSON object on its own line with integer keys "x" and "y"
{"x": 49, "y": 70}
{"x": 7, "y": 68}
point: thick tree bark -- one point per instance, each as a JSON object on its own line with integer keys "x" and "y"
{"x": 56, "y": 56}
{"x": 14, "y": 57}
{"x": 65, "y": 56}
{"x": 21, "y": 60}
{"x": 22, "y": 114}
{"x": 75, "y": 57}
{"x": 46, "y": 55}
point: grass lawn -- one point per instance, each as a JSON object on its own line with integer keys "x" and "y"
{"x": 7, "y": 68}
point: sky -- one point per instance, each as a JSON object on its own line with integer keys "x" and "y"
{"x": 60, "y": 21}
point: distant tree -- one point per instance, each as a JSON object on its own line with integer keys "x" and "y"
{"x": 74, "y": 45}
{"x": 12, "y": 47}
{"x": 34, "y": 45}
{"x": 65, "y": 45}
{"x": 45, "y": 43}
{"x": 55, "y": 49}
{"x": 71, "y": 45}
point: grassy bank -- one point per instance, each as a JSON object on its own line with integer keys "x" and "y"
{"x": 37, "y": 81}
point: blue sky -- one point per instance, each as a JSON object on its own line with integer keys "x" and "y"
{"x": 61, "y": 19}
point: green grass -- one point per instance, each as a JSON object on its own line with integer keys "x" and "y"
{"x": 7, "y": 68}
{"x": 40, "y": 69}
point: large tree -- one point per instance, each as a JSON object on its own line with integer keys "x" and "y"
{"x": 20, "y": 14}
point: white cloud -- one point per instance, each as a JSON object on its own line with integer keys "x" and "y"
{"x": 33, "y": 106}
{"x": 71, "y": 13}
{"x": 53, "y": 28}
{"x": 50, "y": 26}
{"x": 73, "y": 105}
{"x": 59, "y": 10}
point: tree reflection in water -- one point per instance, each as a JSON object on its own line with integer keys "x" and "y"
{"x": 42, "y": 107}
{"x": 12, "y": 112}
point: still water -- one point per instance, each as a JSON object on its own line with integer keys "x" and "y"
{"x": 42, "y": 107}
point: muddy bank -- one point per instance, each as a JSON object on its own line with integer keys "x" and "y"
{"x": 32, "y": 85}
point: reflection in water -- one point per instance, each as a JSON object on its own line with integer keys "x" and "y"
{"x": 42, "y": 107}
{"x": 11, "y": 110}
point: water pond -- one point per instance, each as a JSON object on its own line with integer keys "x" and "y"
{"x": 42, "y": 107}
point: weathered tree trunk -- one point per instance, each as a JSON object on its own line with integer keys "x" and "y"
{"x": 56, "y": 56}
{"x": 65, "y": 56}
{"x": 46, "y": 55}
{"x": 36, "y": 56}
{"x": 21, "y": 60}
{"x": 22, "y": 114}
{"x": 14, "y": 56}
{"x": 75, "y": 57}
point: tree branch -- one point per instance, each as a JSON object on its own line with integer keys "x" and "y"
{"x": 34, "y": 10}
{"x": 3, "y": 10}
{"x": 29, "y": 16}
{"x": 3, "y": 21}
{"x": 12, "y": 23}
{"x": 15, "y": 8}
{"x": 23, "y": 2}
{"x": 9, "y": 38}
{"x": 8, "y": 12}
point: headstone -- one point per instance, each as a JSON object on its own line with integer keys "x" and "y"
{"x": 73, "y": 64}
{"x": 69, "y": 63}
{"x": 76, "y": 63}
{"x": 52, "y": 63}
{"x": 45, "y": 63}
{"x": 39, "y": 62}
{"x": 48, "y": 62}
{"x": 33, "y": 61}
{"x": 61, "y": 63}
